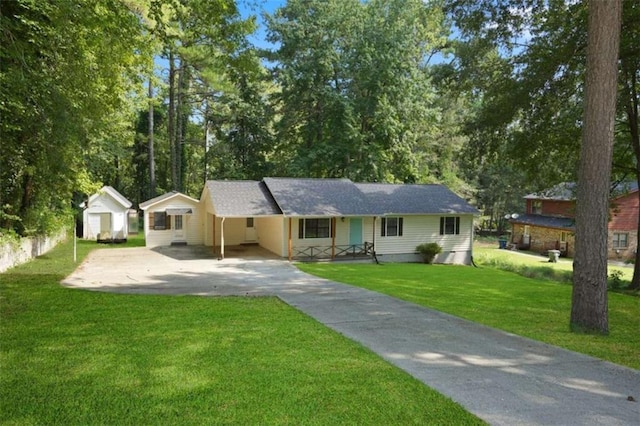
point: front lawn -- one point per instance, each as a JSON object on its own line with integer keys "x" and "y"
{"x": 532, "y": 308}
{"x": 79, "y": 357}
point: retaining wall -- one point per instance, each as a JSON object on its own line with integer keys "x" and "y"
{"x": 13, "y": 254}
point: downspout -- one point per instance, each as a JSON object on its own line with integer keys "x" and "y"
{"x": 222, "y": 238}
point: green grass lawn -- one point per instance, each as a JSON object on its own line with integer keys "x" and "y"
{"x": 523, "y": 262}
{"x": 79, "y": 357}
{"x": 537, "y": 309}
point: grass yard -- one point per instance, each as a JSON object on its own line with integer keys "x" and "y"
{"x": 537, "y": 309}
{"x": 536, "y": 266}
{"x": 79, "y": 357}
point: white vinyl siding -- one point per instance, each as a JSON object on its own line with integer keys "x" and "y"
{"x": 192, "y": 223}
{"x": 101, "y": 205}
{"x": 421, "y": 229}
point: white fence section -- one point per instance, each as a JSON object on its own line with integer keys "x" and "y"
{"x": 13, "y": 254}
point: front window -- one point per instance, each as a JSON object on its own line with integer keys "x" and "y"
{"x": 314, "y": 228}
{"x": 450, "y": 225}
{"x": 160, "y": 220}
{"x": 536, "y": 207}
{"x": 391, "y": 227}
{"x": 620, "y": 240}
{"x": 178, "y": 222}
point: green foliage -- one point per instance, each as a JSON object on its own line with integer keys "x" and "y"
{"x": 429, "y": 251}
{"x": 615, "y": 281}
{"x": 356, "y": 98}
{"x": 68, "y": 72}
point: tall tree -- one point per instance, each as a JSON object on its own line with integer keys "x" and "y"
{"x": 531, "y": 97}
{"x": 356, "y": 97}
{"x": 67, "y": 73}
{"x": 589, "y": 308}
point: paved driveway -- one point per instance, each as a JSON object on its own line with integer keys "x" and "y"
{"x": 504, "y": 379}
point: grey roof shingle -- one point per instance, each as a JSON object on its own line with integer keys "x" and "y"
{"x": 414, "y": 199}
{"x": 319, "y": 197}
{"x": 244, "y": 198}
{"x": 566, "y": 191}
{"x": 546, "y": 221}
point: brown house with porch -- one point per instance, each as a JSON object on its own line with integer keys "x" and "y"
{"x": 548, "y": 223}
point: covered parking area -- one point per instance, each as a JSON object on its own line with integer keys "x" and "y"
{"x": 240, "y": 213}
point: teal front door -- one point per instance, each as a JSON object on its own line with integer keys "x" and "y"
{"x": 355, "y": 231}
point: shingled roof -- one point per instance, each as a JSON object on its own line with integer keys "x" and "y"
{"x": 242, "y": 198}
{"x": 566, "y": 191}
{"x": 414, "y": 199}
{"x": 546, "y": 221}
{"x": 298, "y": 197}
{"x": 319, "y": 197}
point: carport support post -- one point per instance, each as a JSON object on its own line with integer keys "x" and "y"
{"x": 374, "y": 234}
{"x": 222, "y": 238}
{"x": 333, "y": 238}
{"x": 214, "y": 234}
{"x": 290, "y": 243}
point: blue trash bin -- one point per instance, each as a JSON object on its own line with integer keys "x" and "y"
{"x": 502, "y": 243}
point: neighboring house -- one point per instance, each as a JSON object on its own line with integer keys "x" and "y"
{"x": 549, "y": 221}
{"x": 172, "y": 219}
{"x": 106, "y": 217}
{"x": 331, "y": 218}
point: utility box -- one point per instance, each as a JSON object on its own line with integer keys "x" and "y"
{"x": 554, "y": 255}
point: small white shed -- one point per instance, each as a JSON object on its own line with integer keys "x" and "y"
{"x": 106, "y": 216}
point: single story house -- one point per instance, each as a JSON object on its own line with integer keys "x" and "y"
{"x": 324, "y": 218}
{"x": 106, "y": 216}
{"x": 548, "y": 223}
{"x": 172, "y": 219}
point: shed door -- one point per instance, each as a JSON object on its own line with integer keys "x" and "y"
{"x": 355, "y": 231}
{"x": 105, "y": 225}
{"x": 94, "y": 226}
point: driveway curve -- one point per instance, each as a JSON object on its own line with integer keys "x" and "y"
{"x": 502, "y": 378}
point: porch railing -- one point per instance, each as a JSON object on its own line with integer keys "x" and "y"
{"x": 339, "y": 251}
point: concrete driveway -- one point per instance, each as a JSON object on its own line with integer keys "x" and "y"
{"x": 502, "y": 378}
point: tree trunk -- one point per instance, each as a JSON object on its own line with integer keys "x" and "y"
{"x": 152, "y": 161}
{"x": 631, "y": 109}
{"x": 589, "y": 305}
{"x": 171, "y": 125}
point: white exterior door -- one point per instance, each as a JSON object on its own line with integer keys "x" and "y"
{"x": 250, "y": 234}
{"x": 179, "y": 230}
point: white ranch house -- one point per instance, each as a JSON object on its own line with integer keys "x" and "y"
{"x": 106, "y": 216}
{"x": 316, "y": 218}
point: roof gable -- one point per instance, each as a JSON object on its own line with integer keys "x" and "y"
{"x": 165, "y": 197}
{"x": 115, "y": 195}
{"x": 414, "y": 199}
{"x": 245, "y": 198}
{"x": 318, "y": 197}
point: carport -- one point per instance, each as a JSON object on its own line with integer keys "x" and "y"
{"x": 240, "y": 213}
